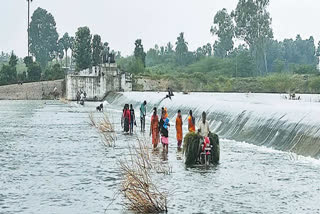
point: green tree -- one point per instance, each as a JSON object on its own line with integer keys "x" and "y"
{"x": 43, "y": 36}
{"x": 97, "y": 50}
{"x": 54, "y": 72}
{"x": 253, "y": 25}
{"x": 33, "y": 69}
{"x": 278, "y": 66}
{"x": 4, "y": 57}
{"x": 118, "y": 55}
{"x": 153, "y": 56}
{"x": 60, "y": 50}
{"x": 66, "y": 43}
{"x": 181, "y": 50}
{"x": 72, "y": 45}
{"x": 315, "y": 85}
{"x": 169, "y": 48}
{"x": 28, "y": 61}
{"x": 8, "y": 73}
{"x": 208, "y": 49}
{"x": 34, "y": 72}
{"x": 139, "y": 53}
{"x": 244, "y": 63}
{"x": 318, "y": 50}
{"x": 82, "y": 49}
{"x": 105, "y": 52}
{"x": 13, "y": 61}
{"x": 223, "y": 28}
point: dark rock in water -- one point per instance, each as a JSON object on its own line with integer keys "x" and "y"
{"x": 191, "y": 148}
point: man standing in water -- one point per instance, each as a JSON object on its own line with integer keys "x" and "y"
{"x": 143, "y": 112}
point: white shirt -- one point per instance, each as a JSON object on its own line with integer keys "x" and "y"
{"x": 82, "y": 96}
{"x": 204, "y": 128}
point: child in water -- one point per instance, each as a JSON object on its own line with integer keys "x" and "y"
{"x": 165, "y": 135}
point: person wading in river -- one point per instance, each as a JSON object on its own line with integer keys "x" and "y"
{"x": 165, "y": 135}
{"x": 143, "y": 112}
{"x": 126, "y": 116}
{"x": 154, "y": 128}
{"x": 132, "y": 118}
{"x": 191, "y": 123}
{"x": 179, "y": 124}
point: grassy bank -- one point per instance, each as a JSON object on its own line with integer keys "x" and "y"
{"x": 273, "y": 83}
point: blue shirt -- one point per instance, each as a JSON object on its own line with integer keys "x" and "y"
{"x": 143, "y": 110}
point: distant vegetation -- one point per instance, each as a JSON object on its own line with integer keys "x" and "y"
{"x": 49, "y": 54}
{"x": 259, "y": 64}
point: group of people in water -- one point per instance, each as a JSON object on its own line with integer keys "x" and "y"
{"x": 159, "y": 126}
{"x": 81, "y": 96}
{"x": 128, "y": 119}
{"x": 292, "y": 97}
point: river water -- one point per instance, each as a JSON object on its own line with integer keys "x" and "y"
{"x": 53, "y": 161}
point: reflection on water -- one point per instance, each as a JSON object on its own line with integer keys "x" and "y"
{"x": 52, "y": 161}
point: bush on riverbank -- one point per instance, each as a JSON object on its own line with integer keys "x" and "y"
{"x": 273, "y": 83}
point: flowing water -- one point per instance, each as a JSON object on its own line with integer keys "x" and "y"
{"x": 53, "y": 161}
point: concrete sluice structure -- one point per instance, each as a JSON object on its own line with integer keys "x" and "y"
{"x": 97, "y": 82}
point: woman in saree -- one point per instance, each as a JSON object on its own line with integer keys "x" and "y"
{"x": 154, "y": 128}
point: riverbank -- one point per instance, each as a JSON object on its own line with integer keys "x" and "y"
{"x": 32, "y": 91}
{"x": 206, "y": 82}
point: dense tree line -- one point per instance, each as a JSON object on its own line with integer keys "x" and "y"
{"x": 249, "y": 25}
{"x": 257, "y": 55}
{"x": 49, "y": 58}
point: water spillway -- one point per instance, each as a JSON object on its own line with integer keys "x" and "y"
{"x": 261, "y": 119}
{"x": 53, "y": 161}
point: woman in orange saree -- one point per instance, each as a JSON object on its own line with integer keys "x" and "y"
{"x": 179, "y": 124}
{"x": 154, "y": 128}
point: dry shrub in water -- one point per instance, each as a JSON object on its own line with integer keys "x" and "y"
{"x": 63, "y": 100}
{"x": 105, "y": 124}
{"x": 92, "y": 121}
{"x": 105, "y": 128}
{"x": 141, "y": 194}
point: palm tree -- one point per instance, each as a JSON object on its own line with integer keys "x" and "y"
{"x": 181, "y": 49}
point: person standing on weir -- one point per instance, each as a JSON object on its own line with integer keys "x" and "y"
{"x": 143, "y": 112}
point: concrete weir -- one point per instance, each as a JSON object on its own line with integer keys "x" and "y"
{"x": 97, "y": 82}
{"x": 32, "y": 91}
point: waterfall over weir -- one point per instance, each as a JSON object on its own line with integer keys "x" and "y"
{"x": 260, "y": 119}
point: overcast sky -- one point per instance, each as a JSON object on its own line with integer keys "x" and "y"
{"x": 121, "y": 22}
